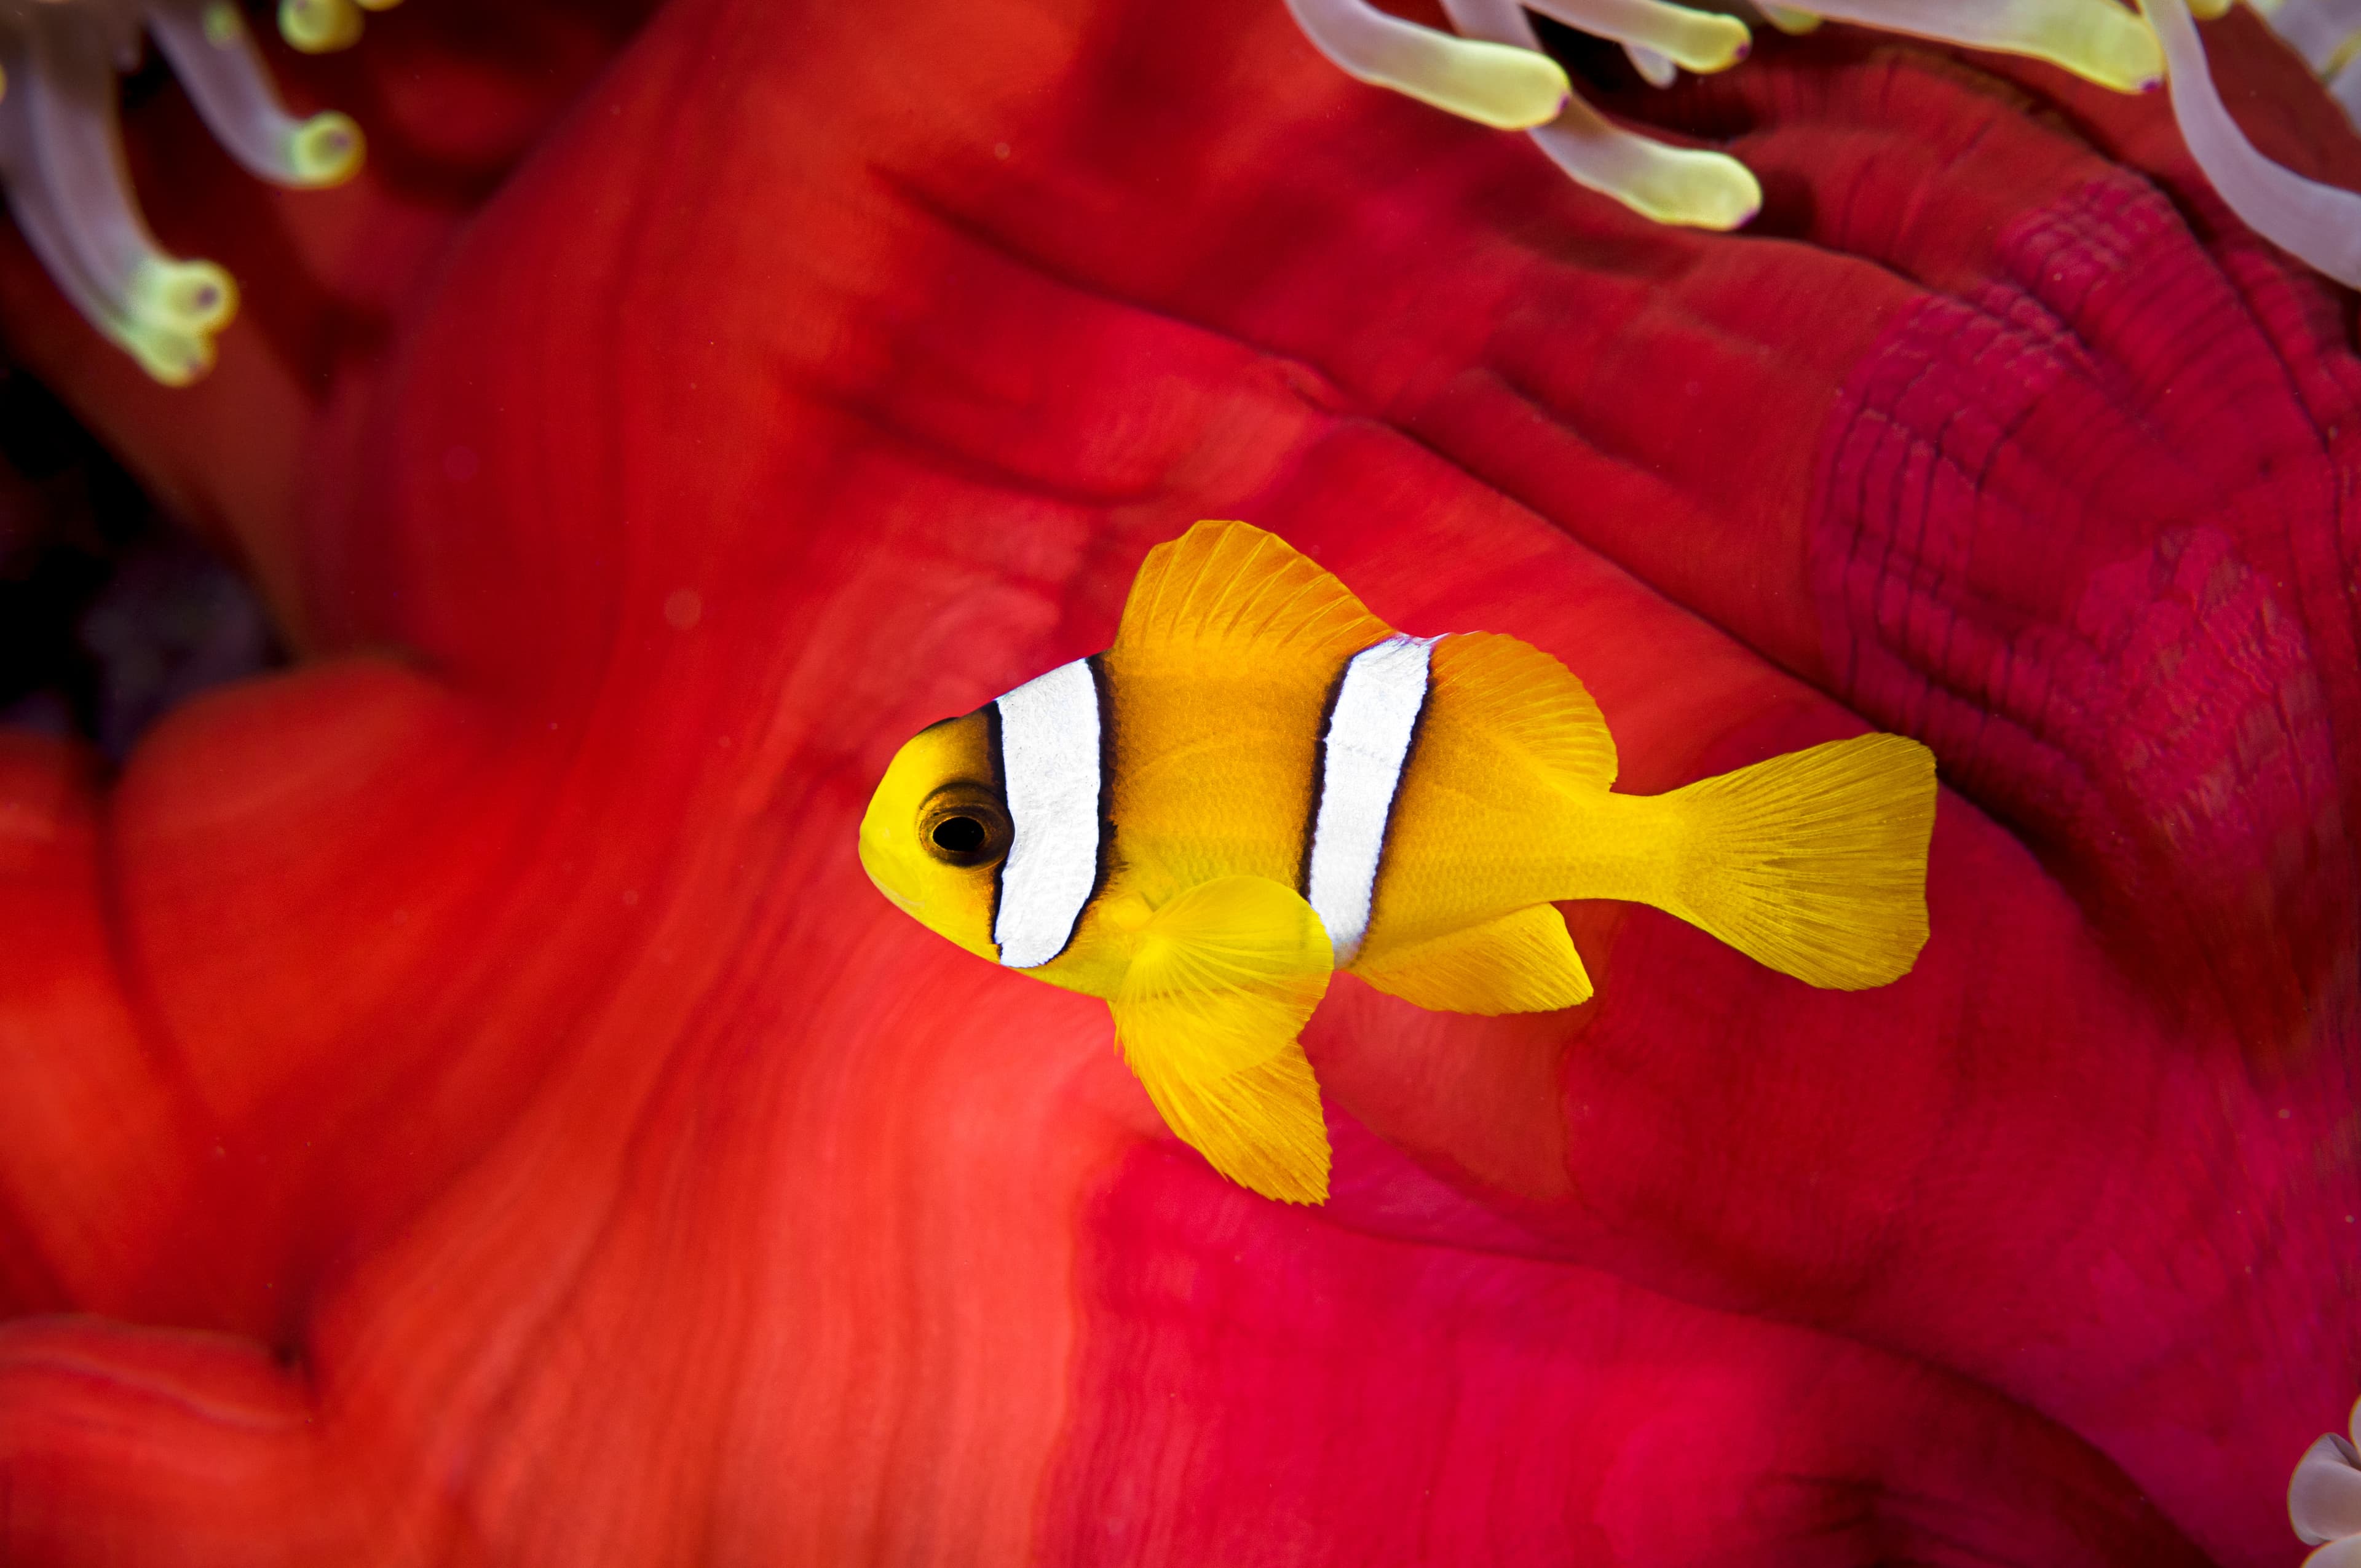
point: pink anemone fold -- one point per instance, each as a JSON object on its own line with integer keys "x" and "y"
{"x": 465, "y": 1105}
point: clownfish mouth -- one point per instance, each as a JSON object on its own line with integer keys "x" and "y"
{"x": 870, "y": 856}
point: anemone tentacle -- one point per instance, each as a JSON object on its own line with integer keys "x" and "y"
{"x": 1506, "y": 88}
{"x": 2101, "y": 40}
{"x": 61, "y": 156}
{"x": 2097, "y": 40}
{"x": 1700, "y": 40}
{"x": 2319, "y": 224}
{"x": 2327, "y": 34}
{"x": 1670, "y": 184}
{"x": 1656, "y": 70}
{"x": 2324, "y": 1499}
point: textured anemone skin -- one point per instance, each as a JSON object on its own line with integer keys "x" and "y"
{"x": 468, "y": 1107}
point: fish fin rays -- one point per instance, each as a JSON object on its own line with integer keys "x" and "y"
{"x": 1207, "y": 1015}
{"x": 1814, "y": 863}
{"x": 1523, "y": 962}
{"x": 1232, "y": 585}
{"x": 1523, "y": 698}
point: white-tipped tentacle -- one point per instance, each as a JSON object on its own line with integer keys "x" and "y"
{"x": 2319, "y": 224}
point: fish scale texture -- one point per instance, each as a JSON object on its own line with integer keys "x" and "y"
{"x": 467, "y": 1106}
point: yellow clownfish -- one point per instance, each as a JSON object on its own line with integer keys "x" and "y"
{"x": 1260, "y": 782}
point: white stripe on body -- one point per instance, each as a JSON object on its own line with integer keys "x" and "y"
{"x": 1050, "y": 770}
{"x": 1363, "y": 753}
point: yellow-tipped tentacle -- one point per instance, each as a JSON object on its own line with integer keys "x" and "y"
{"x": 1788, "y": 19}
{"x": 1668, "y": 185}
{"x": 2097, "y": 40}
{"x": 325, "y": 149}
{"x": 1699, "y": 41}
{"x": 320, "y": 26}
{"x": 1494, "y": 84}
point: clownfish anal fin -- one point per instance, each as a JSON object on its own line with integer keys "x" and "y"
{"x": 1232, "y": 585}
{"x": 1522, "y": 962}
{"x": 1223, "y": 979}
{"x": 1518, "y": 697}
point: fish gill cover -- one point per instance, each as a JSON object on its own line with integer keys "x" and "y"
{"x": 467, "y": 1106}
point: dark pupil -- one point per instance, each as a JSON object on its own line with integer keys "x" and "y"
{"x": 959, "y": 835}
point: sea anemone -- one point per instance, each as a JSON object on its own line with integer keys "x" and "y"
{"x": 468, "y": 1105}
{"x": 61, "y": 157}
{"x": 1498, "y": 76}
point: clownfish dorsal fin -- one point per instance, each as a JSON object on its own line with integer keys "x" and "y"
{"x": 1233, "y": 586}
{"x": 1220, "y": 984}
{"x": 1522, "y": 962}
{"x": 1522, "y": 699}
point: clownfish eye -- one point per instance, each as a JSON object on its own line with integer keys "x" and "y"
{"x": 959, "y": 835}
{"x": 962, "y": 826}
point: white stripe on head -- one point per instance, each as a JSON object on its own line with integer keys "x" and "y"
{"x": 1363, "y": 753}
{"x": 1050, "y": 772}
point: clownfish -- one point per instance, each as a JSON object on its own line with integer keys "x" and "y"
{"x": 1260, "y": 782}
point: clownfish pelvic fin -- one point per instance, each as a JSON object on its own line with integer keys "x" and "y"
{"x": 1222, "y": 980}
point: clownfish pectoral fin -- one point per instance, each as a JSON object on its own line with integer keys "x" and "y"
{"x": 1523, "y": 962}
{"x": 1232, "y": 586}
{"x": 1207, "y": 1015}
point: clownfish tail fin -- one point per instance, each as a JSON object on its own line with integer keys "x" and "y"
{"x": 1813, "y": 863}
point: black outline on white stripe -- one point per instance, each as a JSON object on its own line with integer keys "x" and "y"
{"x": 1055, "y": 830}
{"x": 1319, "y": 779}
{"x": 999, "y": 785}
{"x": 1348, "y": 930}
{"x": 1104, "y": 684}
{"x": 1393, "y": 807}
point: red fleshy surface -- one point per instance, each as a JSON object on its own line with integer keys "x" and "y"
{"x": 480, "y": 1113}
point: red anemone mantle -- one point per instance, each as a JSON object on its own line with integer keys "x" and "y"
{"x": 466, "y": 1105}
